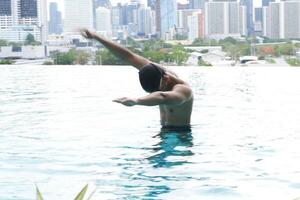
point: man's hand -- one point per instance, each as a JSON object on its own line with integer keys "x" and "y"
{"x": 88, "y": 34}
{"x": 126, "y": 101}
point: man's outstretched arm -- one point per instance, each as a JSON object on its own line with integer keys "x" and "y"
{"x": 175, "y": 97}
{"x": 119, "y": 51}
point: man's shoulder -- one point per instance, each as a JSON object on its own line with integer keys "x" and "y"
{"x": 183, "y": 88}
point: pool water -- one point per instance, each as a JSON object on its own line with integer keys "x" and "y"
{"x": 60, "y": 130}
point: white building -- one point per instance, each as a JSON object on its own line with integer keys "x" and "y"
{"x": 195, "y": 26}
{"x": 23, "y": 52}
{"x": 289, "y": 19}
{"x": 22, "y": 18}
{"x": 224, "y": 19}
{"x": 146, "y": 17}
{"x": 103, "y": 22}
{"x": 183, "y": 15}
{"x": 282, "y": 20}
{"x": 78, "y": 14}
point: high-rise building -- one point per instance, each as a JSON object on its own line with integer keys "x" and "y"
{"x": 223, "y": 19}
{"x": 18, "y": 18}
{"x": 145, "y": 21}
{"x": 271, "y": 21}
{"x": 249, "y": 6}
{"x": 103, "y": 21}
{"x": 5, "y": 8}
{"x": 267, "y": 2}
{"x": 196, "y": 4}
{"x": 166, "y": 11}
{"x": 290, "y": 19}
{"x": 55, "y": 22}
{"x": 78, "y": 13}
{"x": 28, "y": 8}
{"x": 101, "y": 3}
{"x": 195, "y": 25}
{"x": 258, "y": 14}
{"x": 151, "y": 4}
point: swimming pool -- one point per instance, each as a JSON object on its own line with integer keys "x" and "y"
{"x": 59, "y": 129}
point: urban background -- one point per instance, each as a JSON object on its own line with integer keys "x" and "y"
{"x": 196, "y": 32}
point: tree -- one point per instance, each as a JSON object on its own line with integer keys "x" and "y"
{"x": 3, "y": 43}
{"x": 179, "y": 55}
{"x": 29, "y": 39}
{"x": 105, "y": 57}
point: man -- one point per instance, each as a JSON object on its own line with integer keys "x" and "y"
{"x": 173, "y": 96}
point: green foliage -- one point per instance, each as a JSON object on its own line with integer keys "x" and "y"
{"x": 293, "y": 62}
{"x": 270, "y": 60}
{"x": 6, "y": 62}
{"x": 205, "y": 42}
{"x": 72, "y": 57}
{"x": 179, "y": 55}
{"x": 30, "y": 40}
{"x": 105, "y": 57}
{"x": 48, "y": 63}
{"x": 180, "y": 37}
{"x": 80, "y": 195}
{"x": 156, "y": 56}
{"x": 201, "y": 62}
{"x": 3, "y": 43}
{"x": 38, "y": 194}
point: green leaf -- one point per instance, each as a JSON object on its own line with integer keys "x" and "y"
{"x": 82, "y": 193}
{"x": 90, "y": 197}
{"x": 38, "y": 194}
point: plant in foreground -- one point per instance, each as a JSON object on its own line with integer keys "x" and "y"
{"x": 80, "y": 196}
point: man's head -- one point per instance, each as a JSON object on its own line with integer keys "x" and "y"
{"x": 150, "y": 77}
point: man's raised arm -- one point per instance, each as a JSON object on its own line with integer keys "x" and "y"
{"x": 119, "y": 51}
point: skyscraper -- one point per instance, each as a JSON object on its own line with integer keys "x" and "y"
{"x": 223, "y": 19}
{"x": 290, "y": 19}
{"x": 5, "y": 8}
{"x": 267, "y": 2}
{"x": 258, "y": 14}
{"x": 103, "y": 21}
{"x": 166, "y": 11}
{"x": 28, "y": 8}
{"x": 55, "y": 22}
{"x": 151, "y": 4}
{"x": 101, "y": 3}
{"x": 18, "y": 18}
{"x": 271, "y": 21}
{"x": 249, "y": 6}
{"x": 78, "y": 13}
{"x": 196, "y": 4}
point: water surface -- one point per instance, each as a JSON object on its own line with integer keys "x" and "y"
{"x": 59, "y": 129}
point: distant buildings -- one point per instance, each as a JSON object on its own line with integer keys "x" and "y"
{"x": 224, "y": 19}
{"x": 55, "y": 22}
{"x": 196, "y": 26}
{"x": 282, "y": 20}
{"x": 18, "y": 18}
{"x": 78, "y": 13}
{"x": 249, "y": 13}
{"x": 166, "y": 15}
{"x": 103, "y": 21}
{"x": 196, "y": 4}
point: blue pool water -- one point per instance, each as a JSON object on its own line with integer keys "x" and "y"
{"x": 60, "y": 130}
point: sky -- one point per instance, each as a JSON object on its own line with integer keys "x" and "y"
{"x": 257, "y": 3}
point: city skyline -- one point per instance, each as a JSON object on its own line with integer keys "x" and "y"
{"x": 256, "y": 3}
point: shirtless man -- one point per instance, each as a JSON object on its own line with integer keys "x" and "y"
{"x": 173, "y": 95}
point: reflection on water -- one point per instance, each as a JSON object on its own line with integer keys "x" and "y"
{"x": 172, "y": 149}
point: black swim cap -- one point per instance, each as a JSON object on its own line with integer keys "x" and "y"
{"x": 150, "y": 76}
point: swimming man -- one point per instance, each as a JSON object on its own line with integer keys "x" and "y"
{"x": 166, "y": 90}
